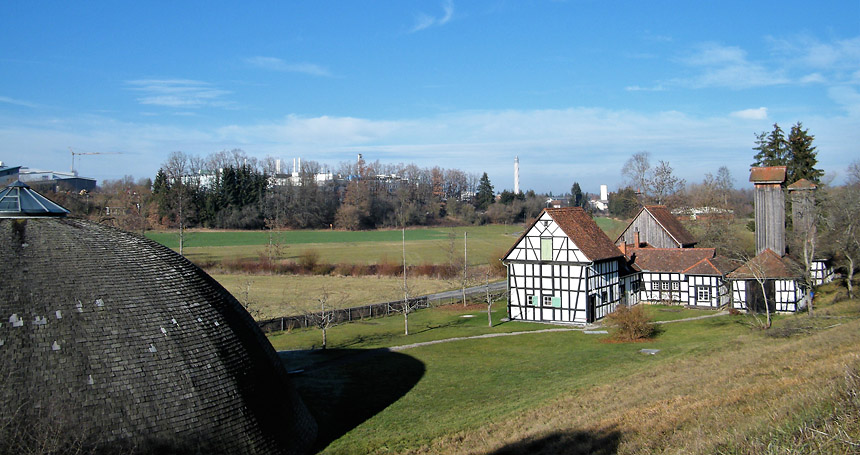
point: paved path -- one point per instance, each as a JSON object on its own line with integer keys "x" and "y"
{"x": 458, "y": 293}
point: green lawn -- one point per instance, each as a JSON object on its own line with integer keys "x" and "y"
{"x": 716, "y": 385}
{"x": 434, "y": 324}
{"x": 423, "y": 245}
{"x": 460, "y": 384}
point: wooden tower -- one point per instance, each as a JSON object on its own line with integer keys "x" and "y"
{"x": 769, "y": 208}
{"x": 802, "y": 194}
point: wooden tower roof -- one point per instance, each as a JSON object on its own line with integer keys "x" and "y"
{"x": 772, "y": 174}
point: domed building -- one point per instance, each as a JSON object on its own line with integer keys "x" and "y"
{"x": 112, "y": 343}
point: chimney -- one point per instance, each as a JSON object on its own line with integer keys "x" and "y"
{"x": 604, "y": 193}
{"x": 623, "y": 247}
{"x": 636, "y": 242}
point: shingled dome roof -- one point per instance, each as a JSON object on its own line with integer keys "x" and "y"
{"x": 18, "y": 200}
{"x": 114, "y": 343}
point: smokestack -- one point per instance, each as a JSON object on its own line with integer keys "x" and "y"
{"x": 604, "y": 193}
{"x": 517, "y": 174}
{"x": 300, "y": 164}
{"x": 278, "y": 166}
{"x": 294, "y": 167}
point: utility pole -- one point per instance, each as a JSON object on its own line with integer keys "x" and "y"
{"x": 465, "y": 263}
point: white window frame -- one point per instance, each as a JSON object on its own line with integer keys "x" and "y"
{"x": 703, "y": 293}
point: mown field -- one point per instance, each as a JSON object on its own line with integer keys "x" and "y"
{"x": 717, "y": 385}
{"x": 271, "y": 296}
{"x": 423, "y": 245}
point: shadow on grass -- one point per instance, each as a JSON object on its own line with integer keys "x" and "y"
{"x": 566, "y": 443}
{"x": 348, "y": 386}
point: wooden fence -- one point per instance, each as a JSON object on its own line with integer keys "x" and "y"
{"x": 343, "y": 315}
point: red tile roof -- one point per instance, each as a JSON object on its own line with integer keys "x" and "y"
{"x": 585, "y": 233}
{"x": 676, "y": 260}
{"x": 670, "y": 224}
{"x": 802, "y": 184}
{"x": 773, "y": 174}
{"x": 718, "y": 266}
{"x": 766, "y": 265}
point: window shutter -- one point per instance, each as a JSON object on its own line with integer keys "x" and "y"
{"x": 545, "y": 249}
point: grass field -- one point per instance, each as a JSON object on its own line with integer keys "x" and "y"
{"x": 423, "y": 245}
{"x": 716, "y": 386}
{"x": 271, "y": 296}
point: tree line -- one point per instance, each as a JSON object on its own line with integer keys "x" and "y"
{"x": 231, "y": 190}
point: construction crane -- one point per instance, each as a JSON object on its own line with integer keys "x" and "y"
{"x": 88, "y": 153}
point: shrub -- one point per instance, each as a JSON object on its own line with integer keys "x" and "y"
{"x": 344, "y": 269}
{"x": 309, "y": 259}
{"x": 497, "y": 268}
{"x": 322, "y": 269}
{"x": 425, "y": 269}
{"x": 388, "y": 268}
{"x": 631, "y": 323}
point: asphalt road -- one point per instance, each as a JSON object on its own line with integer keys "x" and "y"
{"x": 458, "y": 293}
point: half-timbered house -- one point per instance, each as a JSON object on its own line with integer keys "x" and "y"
{"x": 694, "y": 277}
{"x": 707, "y": 284}
{"x": 563, "y": 268}
{"x": 655, "y": 226}
{"x": 769, "y": 277}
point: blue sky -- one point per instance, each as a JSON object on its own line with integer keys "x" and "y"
{"x": 572, "y": 87}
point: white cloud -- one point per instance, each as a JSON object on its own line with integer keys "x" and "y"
{"x": 276, "y": 64}
{"x": 728, "y": 66}
{"x": 17, "y": 102}
{"x": 636, "y": 88}
{"x": 177, "y": 93}
{"x": 847, "y": 97}
{"x": 424, "y": 21}
{"x": 751, "y": 114}
{"x": 555, "y": 146}
{"x": 807, "y": 52}
{"x": 812, "y": 78}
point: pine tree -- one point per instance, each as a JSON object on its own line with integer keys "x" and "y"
{"x": 576, "y": 197}
{"x": 485, "y": 195}
{"x": 160, "y": 190}
{"x": 772, "y": 148}
{"x": 802, "y": 153}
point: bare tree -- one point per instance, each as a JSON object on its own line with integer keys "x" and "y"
{"x": 663, "y": 183}
{"x": 637, "y": 171}
{"x": 843, "y": 226}
{"x": 248, "y": 303}
{"x": 177, "y": 170}
{"x": 490, "y": 298}
{"x": 804, "y": 238}
{"x": 325, "y": 318}
{"x": 755, "y": 268}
